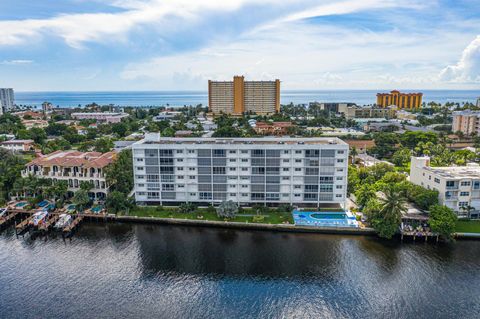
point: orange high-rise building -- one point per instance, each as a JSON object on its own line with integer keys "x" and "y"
{"x": 240, "y": 96}
{"x": 401, "y": 100}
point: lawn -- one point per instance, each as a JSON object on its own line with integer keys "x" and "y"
{"x": 272, "y": 217}
{"x": 468, "y": 226}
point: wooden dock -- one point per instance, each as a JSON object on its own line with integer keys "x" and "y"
{"x": 23, "y": 226}
{"x": 49, "y": 223}
{"x": 8, "y": 219}
{"x": 76, "y": 222}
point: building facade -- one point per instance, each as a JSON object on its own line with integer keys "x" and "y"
{"x": 356, "y": 112}
{"x": 400, "y": 100}
{"x": 467, "y": 122}
{"x": 101, "y": 117}
{"x": 240, "y": 96}
{"x": 18, "y": 145}
{"x": 248, "y": 171}
{"x": 74, "y": 167}
{"x": 458, "y": 186}
{"x": 7, "y": 100}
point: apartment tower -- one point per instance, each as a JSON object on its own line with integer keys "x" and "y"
{"x": 7, "y": 100}
{"x": 401, "y": 100}
{"x": 240, "y": 96}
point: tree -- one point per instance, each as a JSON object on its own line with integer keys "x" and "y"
{"x": 402, "y": 157}
{"x": 353, "y": 153}
{"x": 81, "y": 199}
{"x": 117, "y": 202}
{"x": 120, "y": 129}
{"x": 227, "y": 209}
{"x": 86, "y": 185}
{"x": 103, "y": 145}
{"x": 119, "y": 174}
{"x": 393, "y": 206}
{"x": 364, "y": 194}
{"x": 10, "y": 168}
{"x": 442, "y": 220}
{"x": 168, "y": 132}
{"x": 187, "y": 207}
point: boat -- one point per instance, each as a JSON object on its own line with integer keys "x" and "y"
{"x": 39, "y": 218}
{"x": 63, "y": 221}
{"x": 3, "y": 213}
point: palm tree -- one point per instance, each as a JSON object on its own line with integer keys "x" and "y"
{"x": 394, "y": 204}
{"x": 353, "y": 153}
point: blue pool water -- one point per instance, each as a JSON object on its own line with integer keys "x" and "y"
{"x": 21, "y": 204}
{"x": 325, "y": 219}
{"x": 71, "y": 207}
{"x": 97, "y": 209}
{"x": 43, "y": 203}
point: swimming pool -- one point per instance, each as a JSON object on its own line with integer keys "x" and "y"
{"x": 71, "y": 207}
{"x": 43, "y": 203}
{"x": 96, "y": 209}
{"x": 325, "y": 219}
{"x": 21, "y": 204}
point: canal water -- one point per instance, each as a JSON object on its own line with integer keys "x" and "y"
{"x": 154, "y": 271}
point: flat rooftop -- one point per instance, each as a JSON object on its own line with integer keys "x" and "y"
{"x": 456, "y": 172}
{"x": 244, "y": 141}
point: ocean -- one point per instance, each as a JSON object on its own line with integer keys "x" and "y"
{"x": 181, "y": 98}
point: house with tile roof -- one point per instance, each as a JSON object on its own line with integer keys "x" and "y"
{"x": 74, "y": 167}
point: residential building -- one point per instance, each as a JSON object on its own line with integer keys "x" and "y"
{"x": 275, "y": 128}
{"x": 458, "y": 186}
{"x": 400, "y": 100}
{"x": 18, "y": 145}
{"x": 248, "y": 171}
{"x": 467, "y": 122}
{"x": 240, "y": 96}
{"x": 101, "y": 117}
{"x": 359, "y": 112}
{"x": 47, "y": 107}
{"x": 74, "y": 167}
{"x": 7, "y": 100}
{"x": 333, "y": 107}
{"x": 166, "y": 116}
{"x": 30, "y": 115}
{"x": 406, "y": 116}
{"x": 34, "y": 123}
{"x": 361, "y": 146}
{"x": 478, "y": 102}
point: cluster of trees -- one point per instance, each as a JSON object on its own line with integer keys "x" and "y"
{"x": 119, "y": 175}
{"x": 382, "y": 194}
{"x": 10, "y": 169}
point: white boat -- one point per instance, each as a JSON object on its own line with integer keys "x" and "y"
{"x": 3, "y": 212}
{"x": 39, "y": 218}
{"x": 63, "y": 221}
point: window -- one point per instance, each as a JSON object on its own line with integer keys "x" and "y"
{"x": 244, "y": 151}
{"x": 193, "y": 194}
{"x": 179, "y": 151}
{"x": 179, "y": 168}
{"x": 339, "y": 178}
{"x": 232, "y": 160}
{"x": 476, "y": 185}
{"x": 436, "y": 180}
{"x": 465, "y": 183}
{"x": 286, "y": 169}
{"x": 140, "y": 185}
{"x": 340, "y": 152}
{"x": 450, "y": 183}
{"x": 180, "y": 176}
{"x": 286, "y": 152}
{"x": 233, "y": 186}
{"x": 244, "y": 169}
{"x": 298, "y": 169}
{"x": 462, "y": 204}
{"x": 297, "y": 195}
{"x": 285, "y": 178}
{"x": 233, "y": 169}
{"x": 244, "y": 186}
{"x": 139, "y": 159}
{"x": 191, "y": 168}
{"x": 340, "y": 160}
{"x": 429, "y": 177}
{"x": 244, "y": 178}
{"x": 244, "y": 194}
{"x": 232, "y": 152}
{"x": 181, "y": 186}
{"x": 464, "y": 193}
{"x": 191, "y": 177}
{"x": 297, "y": 187}
{"x": 140, "y": 168}
{"x": 338, "y": 195}
{"x": 298, "y": 161}
{"x": 286, "y": 160}
{"x": 298, "y": 152}
{"x": 140, "y": 176}
{"x": 191, "y": 151}
{"x": 179, "y": 159}
{"x": 339, "y": 187}
{"x": 233, "y": 194}
{"x": 339, "y": 169}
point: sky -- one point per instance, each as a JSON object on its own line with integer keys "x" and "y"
{"x": 128, "y": 45}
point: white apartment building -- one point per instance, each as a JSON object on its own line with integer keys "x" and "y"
{"x": 18, "y": 145}
{"x": 467, "y": 122}
{"x": 74, "y": 167}
{"x": 270, "y": 171}
{"x": 458, "y": 186}
{"x": 7, "y": 100}
{"x": 101, "y": 117}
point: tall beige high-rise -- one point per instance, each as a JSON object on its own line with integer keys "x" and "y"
{"x": 240, "y": 96}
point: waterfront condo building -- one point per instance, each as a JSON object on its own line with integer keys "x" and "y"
{"x": 248, "y": 171}
{"x": 240, "y": 96}
{"x": 7, "y": 100}
{"x": 458, "y": 186}
{"x": 74, "y": 167}
{"x": 400, "y": 100}
{"x": 467, "y": 122}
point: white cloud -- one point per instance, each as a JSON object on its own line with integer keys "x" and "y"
{"x": 16, "y": 62}
{"x": 467, "y": 69}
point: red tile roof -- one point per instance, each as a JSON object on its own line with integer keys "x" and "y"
{"x": 75, "y": 158}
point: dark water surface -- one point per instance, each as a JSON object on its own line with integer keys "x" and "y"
{"x": 143, "y": 271}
